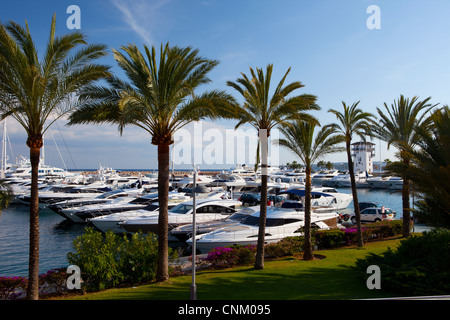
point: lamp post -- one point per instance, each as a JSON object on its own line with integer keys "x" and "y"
{"x": 194, "y": 249}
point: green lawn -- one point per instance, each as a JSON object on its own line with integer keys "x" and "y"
{"x": 284, "y": 279}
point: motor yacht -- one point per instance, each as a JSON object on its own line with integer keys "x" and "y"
{"x": 62, "y": 207}
{"x": 324, "y": 176}
{"x": 320, "y": 197}
{"x": 280, "y": 223}
{"x": 184, "y": 232}
{"x": 111, "y": 221}
{"x": 63, "y": 192}
{"x": 206, "y": 210}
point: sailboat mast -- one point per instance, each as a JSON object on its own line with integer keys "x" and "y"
{"x": 3, "y": 150}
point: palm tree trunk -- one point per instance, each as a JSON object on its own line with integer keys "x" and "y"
{"x": 33, "y": 270}
{"x": 355, "y": 196}
{"x": 406, "y": 205}
{"x": 307, "y": 248}
{"x": 162, "y": 273}
{"x": 259, "y": 261}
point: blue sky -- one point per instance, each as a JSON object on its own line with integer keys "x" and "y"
{"x": 326, "y": 43}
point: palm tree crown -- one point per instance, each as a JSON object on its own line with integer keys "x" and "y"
{"x": 160, "y": 96}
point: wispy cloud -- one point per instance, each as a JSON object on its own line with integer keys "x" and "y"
{"x": 141, "y": 15}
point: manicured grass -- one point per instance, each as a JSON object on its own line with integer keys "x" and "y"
{"x": 283, "y": 279}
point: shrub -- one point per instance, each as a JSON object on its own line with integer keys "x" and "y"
{"x": 97, "y": 257}
{"x": 224, "y": 257}
{"x": 54, "y": 281}
{"x": 108, "y": 260}
{"x": 8, "y": 286}
{"x": 285, "y": 247}
{"x": 327, "y": 239}
{"x": 419, "y": 266}
{"x": 139, "y": 257}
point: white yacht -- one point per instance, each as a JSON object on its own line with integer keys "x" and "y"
{"x": 324, "y": 176}
{"x": 344, "y": 180}
{"x": 280, "y": 223}
{"x": 184, "y": 232}
{"x": 320, "y": 197}
{"x": 70, "y": 205}
{"x": 84, "y": 213}
{"x": 111, "y": 221}
{"x": 206, "y": 210}
{"x": 62, "y": 192}
{"x": 242, "y": 170}
{"x": 388, "y": 182}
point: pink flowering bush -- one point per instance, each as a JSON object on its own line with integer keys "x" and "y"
{"x": 54, "y": 281}
{"x": 10, "y": 285}
{"x": 224, "y": 257}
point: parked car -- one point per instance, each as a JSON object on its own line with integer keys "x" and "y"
{"x": 362, "y": 205}
{"x": 374, "y": 214}
{"x": 250, "y": 198}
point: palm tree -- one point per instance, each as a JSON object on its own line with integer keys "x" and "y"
{"x": 264, "y": 112}
{"x": 300, "y": 140}
{"x": 36, "y": 92}
{"x": 398, "y": 127}
{"x": 353, "y": 121}
{"x": 429, "y": 169}
{"x": 159, "y": 98}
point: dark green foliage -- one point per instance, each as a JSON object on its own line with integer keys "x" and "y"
{"x": 109, "y": 260}
{"x": 419, "y": 266}
{"x": 328, "y": 239}
{"x": 285, "y": 247}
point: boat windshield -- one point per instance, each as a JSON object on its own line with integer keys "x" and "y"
{"x": 237, "y": 217}
{"x": 110, "y": 194}
{"x": 270, "y": 222}
{"x": 181, "y": 208}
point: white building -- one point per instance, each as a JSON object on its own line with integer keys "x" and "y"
{"x": 363, "y": 154}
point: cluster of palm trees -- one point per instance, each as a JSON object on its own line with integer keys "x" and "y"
{"x": 160, "y": 96}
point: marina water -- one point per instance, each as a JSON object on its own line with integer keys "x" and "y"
{"x": 57, "y": 235}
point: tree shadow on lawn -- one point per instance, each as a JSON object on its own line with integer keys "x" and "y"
{"x": 249, "y": 284}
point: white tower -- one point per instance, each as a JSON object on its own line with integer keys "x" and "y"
{"x": 363, "y": 154}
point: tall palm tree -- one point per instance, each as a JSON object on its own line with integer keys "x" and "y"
{"x": 429, "y": 170}
{"x": 399, "y": 127}
{"x": 264, "y": 111}
{"x": 36, "y": 92}
{"x": 353, "y": 121}
{"x": 159, "y": 98}
{"x": 301, "y": 141}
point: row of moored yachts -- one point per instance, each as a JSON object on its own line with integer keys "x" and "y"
{"x": 130, "y": 204}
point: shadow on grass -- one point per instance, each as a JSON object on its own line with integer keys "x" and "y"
{"x": 246, "y": 283}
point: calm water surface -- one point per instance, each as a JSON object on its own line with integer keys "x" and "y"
{"x": 56, "y": 235}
